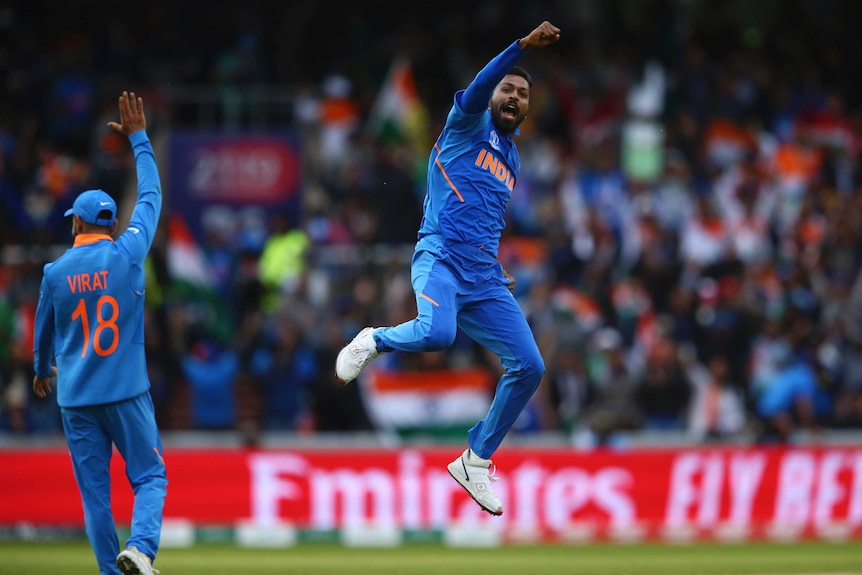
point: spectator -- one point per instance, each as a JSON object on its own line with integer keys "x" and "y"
{"x": 210, "y": 370}
{"x": 717, "y": 407}
{"x": 567, "y": 388}
{"x": 705, "y": 238}
{"x": 788, "y": 402}
{"x": 613, "y": 405}
{"x": 664, "y": 392}
{"x": 848, "y": 400}
{"x": 284, "y": 368}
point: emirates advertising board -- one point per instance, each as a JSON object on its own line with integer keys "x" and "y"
{"x": 552, "y": 494}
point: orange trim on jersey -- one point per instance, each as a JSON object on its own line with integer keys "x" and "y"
{"x": 423, "y": 296}
{"x": 87, "y": 239}
{"x": 445, "y": 175}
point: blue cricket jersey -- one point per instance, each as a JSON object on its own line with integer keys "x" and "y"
{"x": 472, "y": 170}
{"x": 90, "y": 316}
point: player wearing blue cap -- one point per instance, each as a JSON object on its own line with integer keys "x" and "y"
{"x": 456, "y": 277}
{"x": 90, "y": 322}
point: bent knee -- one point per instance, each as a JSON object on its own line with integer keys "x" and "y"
{"x": 533, "y": 366}
{"x": 439, "y": 339}
{"x": 436, "y": 336}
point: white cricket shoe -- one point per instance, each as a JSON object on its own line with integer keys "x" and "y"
{"x": 133, "y": 562}
{"x": 356, "y": 355}
{"x": 473, "y": 473}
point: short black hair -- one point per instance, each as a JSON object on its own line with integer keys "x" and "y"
{"x": 519, "y": 71}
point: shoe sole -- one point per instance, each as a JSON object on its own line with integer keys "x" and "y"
{"x": 127, "y": 566}
{"x": 494, "y": 512}
{"x": 337, "y": 360}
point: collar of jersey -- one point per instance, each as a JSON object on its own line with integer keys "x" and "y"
{"x": 87, "y": 239}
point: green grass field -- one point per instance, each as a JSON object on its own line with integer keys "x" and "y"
{"x": 790, "y": 558}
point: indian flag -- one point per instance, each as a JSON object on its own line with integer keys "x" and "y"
{"x": 435, "y": 402}
{"x": 575, "y": 304}
{"x": 186, "y": 261}
{"x": 191, "y": 282}
{"x": 398, "y": 115}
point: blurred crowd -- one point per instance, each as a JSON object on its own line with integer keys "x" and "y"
{"x": 685, "y": 230}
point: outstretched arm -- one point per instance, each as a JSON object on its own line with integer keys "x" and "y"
{"x": 133, "y": 124}
{"x": 475, "y": 98}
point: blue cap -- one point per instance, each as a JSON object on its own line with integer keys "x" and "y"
{"x": 88, "y": 205}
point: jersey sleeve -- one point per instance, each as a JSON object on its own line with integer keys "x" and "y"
{"x": 474, "y": 99}
{"x": 43, "y": 336}
{"x": 138, "y": 237}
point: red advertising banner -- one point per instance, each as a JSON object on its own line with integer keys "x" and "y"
{"x": 745, "y": 492}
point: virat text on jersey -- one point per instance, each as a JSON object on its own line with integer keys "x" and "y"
{"x": 88, "y": 282}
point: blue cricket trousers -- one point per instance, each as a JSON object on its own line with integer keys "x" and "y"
{"x": 449, "y": 296}
{"x": 91, "y": 432}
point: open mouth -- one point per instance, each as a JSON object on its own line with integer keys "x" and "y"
{"x": 509, "y": 111}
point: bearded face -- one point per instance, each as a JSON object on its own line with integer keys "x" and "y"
{"x": 509, "y": 103}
